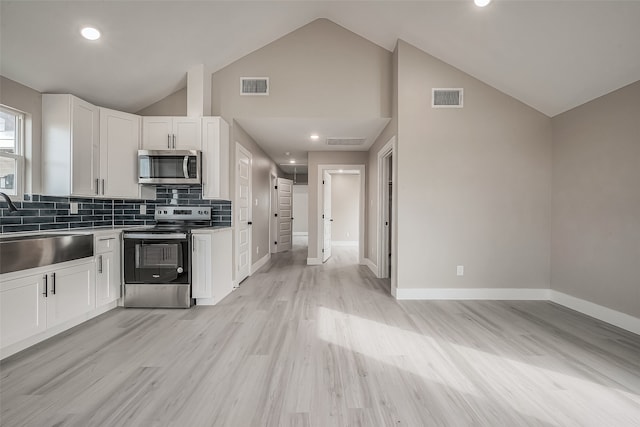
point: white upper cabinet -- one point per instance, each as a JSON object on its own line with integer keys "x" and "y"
{"x": 215, "y": 158}
{"x": 119, "y": 144}
{"x": 88, "y": 150}
{"x": 70, "y": 146}
{"x": 171, "y": 133}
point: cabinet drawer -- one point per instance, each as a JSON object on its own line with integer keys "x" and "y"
{"x": 107, "y": 243}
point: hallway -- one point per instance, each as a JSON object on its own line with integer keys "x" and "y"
{"x": 300, "y": 345}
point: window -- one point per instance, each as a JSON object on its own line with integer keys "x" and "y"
{"x": 11, "y": 151}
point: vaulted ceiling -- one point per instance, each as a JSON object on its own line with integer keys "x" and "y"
{"x": 551, "y": 55}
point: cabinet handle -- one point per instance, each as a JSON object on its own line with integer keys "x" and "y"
{"x": 106, "y": 238}
{"x": 103, "y": 187}
{"x": 46, "y": 286}
{"x": 97, "y": 187}
{"x": 168, "y": 140}
{"x": 100, "y": 264}
{"x": 193, "y": 243}
{"x": 53, "y": 283}
{"x": 174, "y": 141}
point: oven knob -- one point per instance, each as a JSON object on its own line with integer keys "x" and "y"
{"x": 180, "y": 270}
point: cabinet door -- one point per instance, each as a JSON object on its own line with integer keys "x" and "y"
{"x": 22, "y": 309}
{"x": 215, "y": 158}
{"x": 119, "y": 142}
{"x": 222, "y": 281}
{"x": 201, "y": 266}
{"x": 157, "y": 133}
{"x": 86, "y": 152}
{"x": 71, "y": 293}
{"x": 188, "y": 133}
{"x": 107, "y": 278}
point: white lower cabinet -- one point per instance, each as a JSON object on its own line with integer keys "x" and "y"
{"x": 23, "y": 311}
{"x": 107, "y": 248}
{"x": 211, "y": 266}
{"x": 71, "y": 293}
{"x": 33, "y": 302}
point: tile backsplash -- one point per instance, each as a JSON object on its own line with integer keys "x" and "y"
{"x": 41, "y": 213}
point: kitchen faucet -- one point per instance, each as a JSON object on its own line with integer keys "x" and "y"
{"x": 12, "y": 207}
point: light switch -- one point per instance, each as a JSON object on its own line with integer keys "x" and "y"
{"x": 73, "y": 208}
{"x": 460, "y": 270}
{"x": 256, "y": 202}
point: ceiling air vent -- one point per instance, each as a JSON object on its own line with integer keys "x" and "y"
{"x": 254, "y": 85}
{"x": 345, "y": 141}
{"x": 446, "y": 98}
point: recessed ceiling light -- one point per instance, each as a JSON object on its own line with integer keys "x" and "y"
{"x": 292, "y": 161}
{"x": 90, "y": 33}
{"x": 481, "y": 3}
{"x": 314, "y": 137}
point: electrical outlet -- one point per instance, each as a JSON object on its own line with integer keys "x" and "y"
{"x": 460, "y": 270}
{"x": 73, "y": 208}
{"x": 143, "y": 209}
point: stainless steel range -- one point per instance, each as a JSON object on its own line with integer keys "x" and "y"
{"x": 157, "y": 260}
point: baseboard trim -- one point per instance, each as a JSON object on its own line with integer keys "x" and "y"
{"x": 607, "y": 315}
{"x": 314, "y": 261}
{"x": 261, "y": 262}
{"x": 471, "y": 294}
{"x": 372, "y": 266}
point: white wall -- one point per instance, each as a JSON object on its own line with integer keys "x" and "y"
{"x": 345, "y": 208}
{"x": 301, "y": 210}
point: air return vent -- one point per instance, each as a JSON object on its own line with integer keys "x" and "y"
{"x": 446, "y": 98}
{"x": 345, "y": 141}
{"x": 254, "y": 85}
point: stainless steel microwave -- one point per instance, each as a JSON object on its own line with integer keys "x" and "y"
{"x": 169, "y": 167}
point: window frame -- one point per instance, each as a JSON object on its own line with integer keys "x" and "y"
{"x": 19, "y": 155}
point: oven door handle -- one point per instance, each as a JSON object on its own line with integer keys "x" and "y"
{"x": 151, "y": 236}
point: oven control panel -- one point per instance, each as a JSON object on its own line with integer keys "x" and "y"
{"x": 194, "y": 213}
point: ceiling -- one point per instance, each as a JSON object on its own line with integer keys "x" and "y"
{"x": 552, "y": 55}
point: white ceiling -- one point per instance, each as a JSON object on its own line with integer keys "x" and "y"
{"x": 552, "y": 55}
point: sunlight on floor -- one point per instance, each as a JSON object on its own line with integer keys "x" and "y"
{"x": 524, "y": 387}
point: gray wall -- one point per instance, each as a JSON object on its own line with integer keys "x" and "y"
{"x": 473, "y": 183}
{"x": 172, "y": 105}
{"x": 310, "y": 71}
{"x": 261, "y": 170}
{"x": 29, "y": 101}
{"x": 596, "y": 201}
{"x": 345, "y": 208}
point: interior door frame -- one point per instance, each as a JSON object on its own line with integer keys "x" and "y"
{"x": 273, "y": 207}
{"x": 361, "y": 208}
{"x": 389, "y": 149}
{"x": 241, "y": 148}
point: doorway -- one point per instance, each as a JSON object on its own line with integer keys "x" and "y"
{"x": 324, "y": 241}
{"x": 387, "y": 227}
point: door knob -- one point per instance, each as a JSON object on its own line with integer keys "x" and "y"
{"x": 249, "y": 223}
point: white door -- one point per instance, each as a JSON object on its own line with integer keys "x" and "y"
{"x": 119, "y": 141}
{"x": 326, "y": 216}
{"x": 243, "y": 213}
{"x": 285, "y": 211}
{"x": 201, "y": 286}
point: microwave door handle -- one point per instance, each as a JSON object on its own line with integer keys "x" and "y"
{"x": 185, "y": 167}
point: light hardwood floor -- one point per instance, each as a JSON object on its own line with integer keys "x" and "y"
{"x": 325, "y": 346}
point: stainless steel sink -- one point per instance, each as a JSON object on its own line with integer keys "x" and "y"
{"x": 38, "y": 250}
